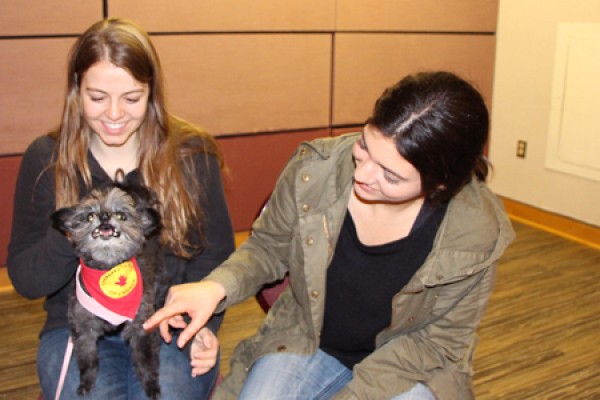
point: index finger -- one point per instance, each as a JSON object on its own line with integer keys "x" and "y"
{"x": 156, "y": 318}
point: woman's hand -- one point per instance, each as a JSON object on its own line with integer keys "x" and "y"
{"x": 204, "y": 352}
{"x": 198, "y": 300}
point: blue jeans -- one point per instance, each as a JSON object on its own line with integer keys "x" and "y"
{"x": 284, "y": 376}
{"x": 117, "y": 379}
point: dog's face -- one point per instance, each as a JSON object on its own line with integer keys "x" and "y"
{"x": 109, "y": 225}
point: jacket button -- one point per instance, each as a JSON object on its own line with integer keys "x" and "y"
{"x": 315, "y": 293}
{"x": 305, "y": 178}
{"x": 281, "y": 348}
{"x": 305, "y": 207}
{"x": 310, "y": 241}
{"x": 411, "y": 319}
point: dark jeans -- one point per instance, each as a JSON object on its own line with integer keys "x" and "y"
{"x": 117, "y": 379}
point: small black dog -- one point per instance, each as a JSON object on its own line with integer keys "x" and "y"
{"x": 121, "y": 280}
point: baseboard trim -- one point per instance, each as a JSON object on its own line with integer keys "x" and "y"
{"x": 566, "y": 227}
{"x": 4, "y": 280}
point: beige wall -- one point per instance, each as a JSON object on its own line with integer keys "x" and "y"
{"x": 365, "y": 64}
{"x": 523, "y": 90}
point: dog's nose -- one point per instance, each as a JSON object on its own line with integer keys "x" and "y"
{"x": 105, "y": 216}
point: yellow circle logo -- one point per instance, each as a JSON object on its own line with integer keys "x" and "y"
{"x": 119, "y": 281}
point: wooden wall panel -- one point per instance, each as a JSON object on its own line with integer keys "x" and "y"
{"x": 255, "y": 163}
{"x": 365, "y": 64}
{"x": 422, "y": 15}
{"x": 9, "y": 168}
{"x": 32, "y": 73}
{"x": 47, "y": 17}
{"x": 227, "y": 15}
{"x": 248, "y": 83}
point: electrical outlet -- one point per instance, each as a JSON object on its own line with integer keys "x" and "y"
{"x": 521, "y": 148}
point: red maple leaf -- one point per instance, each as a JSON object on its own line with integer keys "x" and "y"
{"x": 122, "y": 281}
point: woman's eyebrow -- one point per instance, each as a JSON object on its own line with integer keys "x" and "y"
{"x": 386, "y": 169}
{"x": 133, "y": 91}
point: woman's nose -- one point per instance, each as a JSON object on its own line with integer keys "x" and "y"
{"x": 365, "y": 171}
{"x": 114, "y": 112}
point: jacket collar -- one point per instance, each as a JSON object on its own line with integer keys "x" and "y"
{"x": 473, "y": 235}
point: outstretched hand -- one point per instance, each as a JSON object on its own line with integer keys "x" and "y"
{"x": 198, "y": 300}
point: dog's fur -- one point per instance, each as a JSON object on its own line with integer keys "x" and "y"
{"x": 110, "y": 225}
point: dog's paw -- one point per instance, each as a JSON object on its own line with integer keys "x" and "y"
{"x": 153, "y": 391}
{"x": 84, "y": 389}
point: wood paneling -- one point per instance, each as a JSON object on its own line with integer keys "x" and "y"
{"x": 9, "y": 168}
{"x": 422, "y": 15}
{"x": 254, "y": 163}
{"x": 365, "y": 64}
{"x": 47, "y": 17}
{"x": 248, "y": 83}
{"x": 33, "y": 76}
{"x": 227, "y": 15}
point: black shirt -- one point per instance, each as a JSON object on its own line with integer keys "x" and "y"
{"x": 362, "y": 280}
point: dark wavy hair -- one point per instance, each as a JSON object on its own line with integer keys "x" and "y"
{"x": 440, "y": 125}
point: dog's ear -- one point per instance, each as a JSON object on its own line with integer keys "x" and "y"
{"x": 150, "y": 220}
{"x": 62, "y": 219}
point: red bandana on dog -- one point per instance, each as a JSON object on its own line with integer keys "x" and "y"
{"x": 118, "y": 291}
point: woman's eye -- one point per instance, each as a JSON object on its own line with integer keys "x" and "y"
{"x": 131, "y": 100}
{"x": 96, "y": 99}
{"x": 91, "y": 217}
{"x": 391, "y": 179}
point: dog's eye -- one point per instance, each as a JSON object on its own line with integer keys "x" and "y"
{"x": 91, "y": 217}
{"x": 120, "y": 216}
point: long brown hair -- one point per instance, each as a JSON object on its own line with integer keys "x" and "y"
{"x": 167, "y": 144}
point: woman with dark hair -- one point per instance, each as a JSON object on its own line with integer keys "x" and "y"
{"x": 115, "y": 119}
{"x": 390, "y": 238}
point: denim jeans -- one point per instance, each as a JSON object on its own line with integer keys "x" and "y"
{"x": 306, "y": 377}
{"x": 117, "y": 379}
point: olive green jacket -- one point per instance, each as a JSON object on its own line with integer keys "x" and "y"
{"x": 431, "y": 338}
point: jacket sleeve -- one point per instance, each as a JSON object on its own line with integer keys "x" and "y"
{"x": 41, "y": 260}
{"x": 262, "y": 258}
{"x": 218, "y": 235}
{"x": 438, "y": 354}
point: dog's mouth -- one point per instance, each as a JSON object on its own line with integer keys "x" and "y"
{"x": 105, "y": 232}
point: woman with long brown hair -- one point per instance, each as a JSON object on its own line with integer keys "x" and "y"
{"x": 115, "y": 119}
